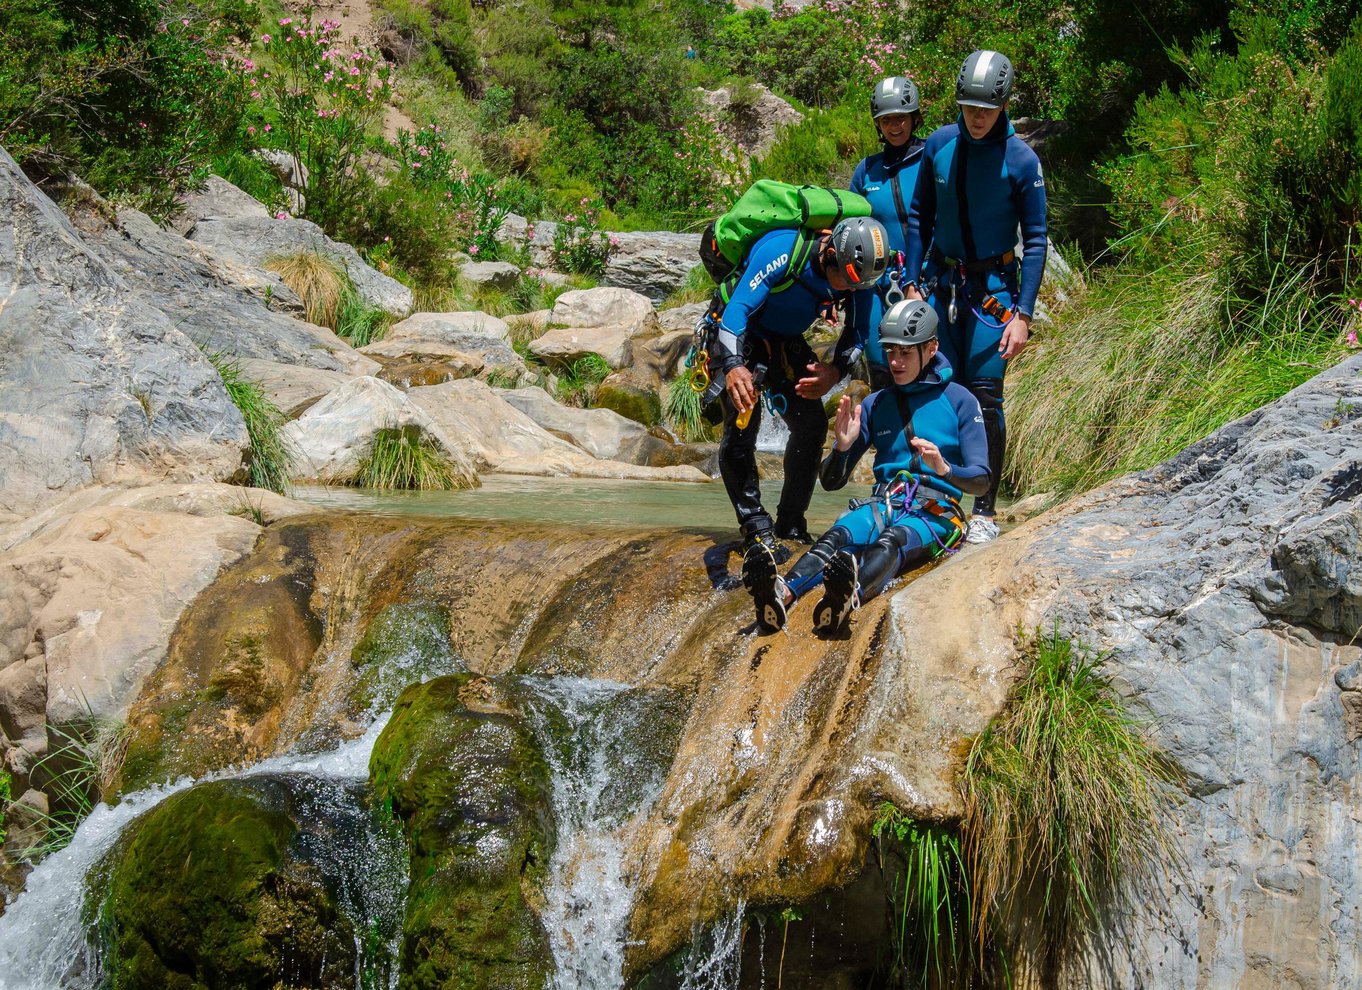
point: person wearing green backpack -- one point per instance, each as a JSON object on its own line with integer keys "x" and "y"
{"x": 785, "y": 282}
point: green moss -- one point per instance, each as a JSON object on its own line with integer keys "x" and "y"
{"x": 404, "y": 644}
{"x": 205, "y": 891}
{"x": 630, "y": 399}
{"x": 465, "y": 779}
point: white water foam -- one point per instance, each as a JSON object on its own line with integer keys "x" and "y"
{"x": 42, "y": 937}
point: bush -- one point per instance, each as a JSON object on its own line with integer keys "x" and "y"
{"x": 579, "y": 245}
{"x": 315, "y": 278}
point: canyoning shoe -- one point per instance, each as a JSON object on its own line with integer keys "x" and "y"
{"x": 795, "y": 534}
{"x": 762, "y": 581}
{"x": 766, "y": 538}
{"x": 840, "y": 594}
{"x": 982, "y": 529}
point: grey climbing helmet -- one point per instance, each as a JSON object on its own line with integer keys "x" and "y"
{"x": 908, "y": 322}
{"x": 985, "y": 80}
{"x": 861, "y": 248}
{"x": 894, "y": 94}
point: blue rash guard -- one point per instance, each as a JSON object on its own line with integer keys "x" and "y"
{"x": 972, "y": 195}
{"x": 887, "y": 179}
{"x": 754, "y": 308}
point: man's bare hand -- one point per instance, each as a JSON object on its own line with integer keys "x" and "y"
{"x": 740, "y": 388}
{"x": 847, "y": 427}
{"x": 1015, "y": 336}
{"x": 820, "y": 379}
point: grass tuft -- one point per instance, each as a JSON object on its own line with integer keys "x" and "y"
{"x": 1066, "y": 802}
{"x": 318, "y": 280}
{"x": 684, "y": 411}
{"x": 404, "y": 458}
{"x": 359, "y": 323}
{"x": 578, "y": 381}
{"x": 696, "y": 287}
{"x": 271, "y": 459}
{"x": 83, "y": 758}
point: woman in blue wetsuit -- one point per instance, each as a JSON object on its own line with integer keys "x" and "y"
{"x": 930, "y": 449}
{"x": 887, "y": 178}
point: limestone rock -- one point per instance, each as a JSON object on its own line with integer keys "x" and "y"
{"x": 601, "y": 307}
{"x": 332, "y": 436}
{"x": 466, "y": 354}
{"x": 96, "y": 385}
{"x": 752, "y": 116}
{"x": 602, "y": 433}
{"x": 291, "y": 387}
{"x": 255, "y": 241}
{"x": 652, "y": 262}
{"x": 663, "y": 355}
{"x": 495, "y": 274}
{"x": 497, "y": 436}
{"x": 217, "y": 200}
{"x": 633, "y": 393}
{"x": 288, "y": 169}
{"x": 565, "y": 345}
{"x": 219, "y": 301}
{"x": 681, "y": 317}
{"x": 448, "y": 327}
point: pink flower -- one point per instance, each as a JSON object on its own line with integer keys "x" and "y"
{"x": 250, "y": 130}
{"x": 265, "y": 39}
{"x": 1352, "y": 338}
{"x": 473, "y": 249}
{"x": 184, "y": 21}
{"x": 268, "y": 128}
{"x": 281, "y": 215}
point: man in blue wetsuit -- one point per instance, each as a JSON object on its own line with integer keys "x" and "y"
{"x": 760, "y": 345}
{"x": 930, "y": 449}
{"x": 977, "y": 184}
{"x": 887, "y": 179}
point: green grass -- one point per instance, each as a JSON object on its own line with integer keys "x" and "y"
{"x": 931, "y": 902}
{"x": 85, "y": 758}
{"x": 682, "y": 409}
{"x": 578, "y": 381}
{"x": 1066, "y": 804}
{"x": 1145, "y": 364}
{"x": 5, "y": 798}
{"x": 404, "y": 458}
{"x": 271, "y": 460}
{"x": 251, "y": 176}
{"x": 357, "y": 322}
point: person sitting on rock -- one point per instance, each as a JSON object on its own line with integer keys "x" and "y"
{"x": 978, "y": 183}
{"x": 930, "y": 449}
{"x": 760, "y": 345}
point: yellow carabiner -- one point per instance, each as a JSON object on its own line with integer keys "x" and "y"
{"x": 699, "y": 373}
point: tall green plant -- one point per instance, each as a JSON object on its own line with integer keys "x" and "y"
{"x": 271, "y": 459}
{"x": 1066, "y": 804}
{"x": 5, "y": 798}
{"x": 404, "y": 457}
{"x": 83, "y": 757}
{"x": 683, "y": 409}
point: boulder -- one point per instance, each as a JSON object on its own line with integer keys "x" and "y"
{"x": 751, "y": 116}
{"x": 331, "y": 437}
{"x": 247, "y": 879}
{"x": 563, "y": 346}
{"x": 682, "y": 317}
{"x": 663, "y": 355}
{"x": 291, "y": 387}
{"x": 256, "y": 241}
{"x": 92, "y": 591}
{"x": 652, "y": 262}
{"x": 633, "y": 393}
{"x": 602, "y": 433}
{"x": 448, "y": 327}
{"x": 498, "y": 437}
{"x": 535, "y": 238}
{"x": 219, "y": 301}
{"x": 291, "y": 172}
{"x": 601, "y": 307}
{"x": 96, "y": 384}
{"x": 492, "y": 274}
{"x": 217, "y": 199}
{"x": 466, "y": 780}
{"x": 469, "y": 354}
{"x": 415, "y": 370}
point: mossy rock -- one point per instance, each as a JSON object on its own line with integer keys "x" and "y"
{"x": 631, "y": 394}
{"x": 238, "y": 883}
{"x": 465, "y": 778}
{"x": 403, "y": 644}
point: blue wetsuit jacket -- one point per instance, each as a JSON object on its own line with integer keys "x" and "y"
{"x": 972, "y": 195}
{"x": 888, "y": 180}
{"x": 941, "y": 410}
{"x": 753, "y": 308}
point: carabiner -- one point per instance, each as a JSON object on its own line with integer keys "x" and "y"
{"x": 699, "y": 378}
{"x": 776, "y": 403}
{"x": 894, "y": 294}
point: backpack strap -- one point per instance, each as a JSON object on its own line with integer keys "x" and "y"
{"x": 799, "y": 257}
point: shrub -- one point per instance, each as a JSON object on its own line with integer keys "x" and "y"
{"x": 682, "y": 408}
{"x": 316, "y": 279}
{"x": 578, "y": 381}
{"x": 1066, "y": 803}
{"x": 271, "y": 459}
{"x": 404, "y": 458}
{"x": 579, "y": 245}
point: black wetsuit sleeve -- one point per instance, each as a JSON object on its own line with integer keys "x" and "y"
{"x": 835, "y": 471}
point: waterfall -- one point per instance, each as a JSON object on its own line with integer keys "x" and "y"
{"x": 589, "y": 731}
{"x": 43, "y": 936}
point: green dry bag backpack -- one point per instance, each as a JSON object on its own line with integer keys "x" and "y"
{"x": 770, "y": 205}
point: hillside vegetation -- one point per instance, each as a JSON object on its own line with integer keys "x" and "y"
{"x": 1208, "y": 182}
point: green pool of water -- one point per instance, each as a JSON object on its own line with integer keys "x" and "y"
{"x": 628, "y": 504}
